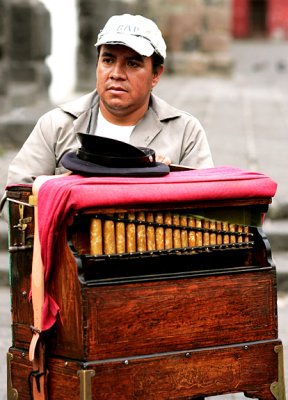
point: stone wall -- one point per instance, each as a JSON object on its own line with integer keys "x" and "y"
{"x": 197, "y": 33}
{"x": 29, "y": 44}
{"x": 25, "y": 42}
{"x": 4, "y": 78}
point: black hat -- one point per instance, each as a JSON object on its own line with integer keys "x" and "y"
{"x": 100, "y": 156}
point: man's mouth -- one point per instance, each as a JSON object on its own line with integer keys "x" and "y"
{"x": 116, "y": 89}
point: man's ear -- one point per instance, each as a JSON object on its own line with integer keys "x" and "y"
{"x": 157, "y": 75}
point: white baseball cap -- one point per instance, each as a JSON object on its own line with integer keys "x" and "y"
{"x": 139, "y": 33}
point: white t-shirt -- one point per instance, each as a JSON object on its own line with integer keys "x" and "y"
{"x": 104, "y": 128}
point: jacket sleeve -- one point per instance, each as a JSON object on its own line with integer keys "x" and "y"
{"x": 38, "y": 154}
{"x": 41, "y": 152}
{"x": 195, "y": 150}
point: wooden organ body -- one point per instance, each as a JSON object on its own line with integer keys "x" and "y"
{"x": 157, "y": 302}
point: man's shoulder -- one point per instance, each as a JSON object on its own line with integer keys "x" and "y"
{"x": 166, "y": 111}
{"x": 80, "y": 104}
{"x": 74, "y": 107}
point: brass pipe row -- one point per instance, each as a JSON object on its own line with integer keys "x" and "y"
{"x": 130, "y": 233}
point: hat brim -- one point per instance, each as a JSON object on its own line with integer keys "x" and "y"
{"x": 139, "y": 44}
{"x": 71, "y": 162}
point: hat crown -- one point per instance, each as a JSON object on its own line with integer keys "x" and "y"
{"x": 107, "y": 147}
{"x": 114, "y": 153}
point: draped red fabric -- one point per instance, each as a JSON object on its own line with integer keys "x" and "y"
{"x": 58, "y": 197}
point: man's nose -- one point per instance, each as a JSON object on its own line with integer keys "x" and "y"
{"x": 118, "y": 71}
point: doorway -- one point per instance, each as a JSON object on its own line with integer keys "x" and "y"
{"x": 258, "y": 18}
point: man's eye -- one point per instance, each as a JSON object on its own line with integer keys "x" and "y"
{"x": 133, "y": 64}
{"x": 107, "y": 60}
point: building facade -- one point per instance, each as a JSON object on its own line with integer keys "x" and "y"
{"x": 260, "y": 18}
{"x": 25, "y": 43}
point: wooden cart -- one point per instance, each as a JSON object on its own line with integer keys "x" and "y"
{"x": 185, "y": 308}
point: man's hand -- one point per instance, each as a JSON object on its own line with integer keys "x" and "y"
{"x": 163, "y": 159}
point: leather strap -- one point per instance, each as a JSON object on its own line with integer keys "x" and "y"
{"x": 39, "y": 374}
{"x": 37, "y": 349}
{"x": 37, "y": 275}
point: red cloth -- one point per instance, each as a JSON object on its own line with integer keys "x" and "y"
{"x": 57, "y": 197}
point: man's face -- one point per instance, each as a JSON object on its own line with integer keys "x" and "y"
{"x": 124, "y": 82}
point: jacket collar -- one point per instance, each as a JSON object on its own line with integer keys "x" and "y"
{"x": 163, "y": 110}
{"x": 82, "y": 109}
{"x": 80, "y": 105}
{"x": 152, "y": 122}
{"x": 85, "y": 107}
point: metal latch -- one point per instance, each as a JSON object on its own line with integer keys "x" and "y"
{"x": 22, "y": 224}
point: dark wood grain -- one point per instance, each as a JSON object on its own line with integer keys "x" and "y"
{"x": 248, "y": 368}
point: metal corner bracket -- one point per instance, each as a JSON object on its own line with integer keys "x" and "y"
{"x": 85, "y": 383}
{"x": 278, "y": 388}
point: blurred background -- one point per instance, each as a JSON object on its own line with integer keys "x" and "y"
{"x": 47, "y": 54}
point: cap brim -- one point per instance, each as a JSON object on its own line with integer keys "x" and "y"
{"x": 137, "y": 43}
{"x": 81, "y": 167}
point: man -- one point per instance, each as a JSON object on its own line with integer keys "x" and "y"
{"x": 131, "y": 53}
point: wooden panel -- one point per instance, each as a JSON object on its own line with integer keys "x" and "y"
{"x": 20, "y": 371}
{"x": 129, "y": 320}
{"x": 249, "y": 368}
{"x": 68, "y": 335}
{"x": 21, "y": 231}
{"x": 180, "y": 376}
{"x": 21, "y": 307}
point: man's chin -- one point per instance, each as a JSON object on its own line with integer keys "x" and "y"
{"x": 117, "y": 106}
